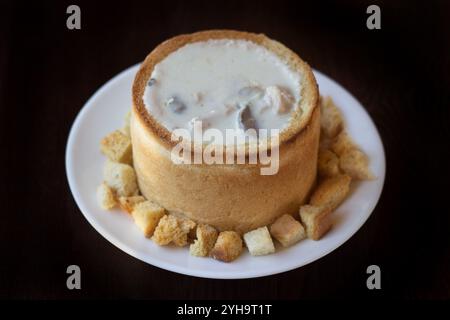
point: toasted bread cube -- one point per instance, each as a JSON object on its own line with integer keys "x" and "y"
{"x": 117, "y": 147}
{"x": 325, "y": 143}
{"x": 227, "y": 247}
{"x": 327, "y": 163}
{"x": 331, "y": 191}
{"x": 317, "y": 220}
{"x": 106, "y": 197}
{"x": 172, "y": 229}
{"x": 330, "y": 118}
{"x": 146, "y": 215}
{"x": 342, "y": 143}
{"x": 206, "y": 238}
{"x": 128, "y": 203}
{"x": 259, "y": 242}
{"x": 121, "y": 177}
{"x": 356, "y": 164}
{"x": 287, "y": 230}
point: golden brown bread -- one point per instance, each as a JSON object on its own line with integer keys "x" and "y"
{"x": 327, "y": 163}
{"x": 206, "y": 238}
{"x": 331, "y": 191}
{"x": 356, "y": 164}
{"x": 300, "y": 117}
{"x": 227, "y": 197}
{"x": 259, "y": 242}
{"x": 317, "y": 220}
{"x": 147, "y": 215}
{"x": 227, "y": 247}
{"x": 331, "y": 119}
{"x": 127, "y": 204}
{"x": 342, "y": 143}
{"x": 121, "y": 178}
{"x": 117, "y": 147}
{"x": 106, "y": 196}
{"x": 172, "y": 229}
{"x": 287, "y": 230}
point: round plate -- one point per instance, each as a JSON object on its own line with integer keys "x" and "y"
{"x": 105, "y": 112}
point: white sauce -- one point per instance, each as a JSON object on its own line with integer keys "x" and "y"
{"x": 222, "y": 82}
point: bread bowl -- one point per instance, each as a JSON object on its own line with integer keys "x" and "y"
{"x": 233, "y": 196}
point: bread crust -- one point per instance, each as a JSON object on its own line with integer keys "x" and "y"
{"x": 299, "y": 119}
{"x": 227, "y": 197}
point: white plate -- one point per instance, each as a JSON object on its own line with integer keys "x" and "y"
{"x": 105, "y": 111}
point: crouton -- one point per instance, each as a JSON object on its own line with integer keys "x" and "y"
{"x": 206, "y": 238}
{"x": 331, "y": 191}
{"x": 259, "y": 242}
{"x": 317, "y": 220}
{"x": 172, "y": 229}
{"x": 227, "y": 247}
{"x": 330, "y": 118}
{"x": 128, "y": 203}
{"x": 356, "y": 164}
{"x": 147, "y": 215}
{"x": 325, "y": 143}
{"x": 327, "y": 163}
{"x": 342, "y": 143}
{"x": 287, "y": 230}
{"x": 117, "y": 147}
{"x": 106, "y": 197}
{"x": 121, "y": 177}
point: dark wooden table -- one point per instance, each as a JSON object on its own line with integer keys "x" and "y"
{"x": 399, "y": 73}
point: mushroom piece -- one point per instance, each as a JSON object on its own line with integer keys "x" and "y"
{"x": 245, "y": 119}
